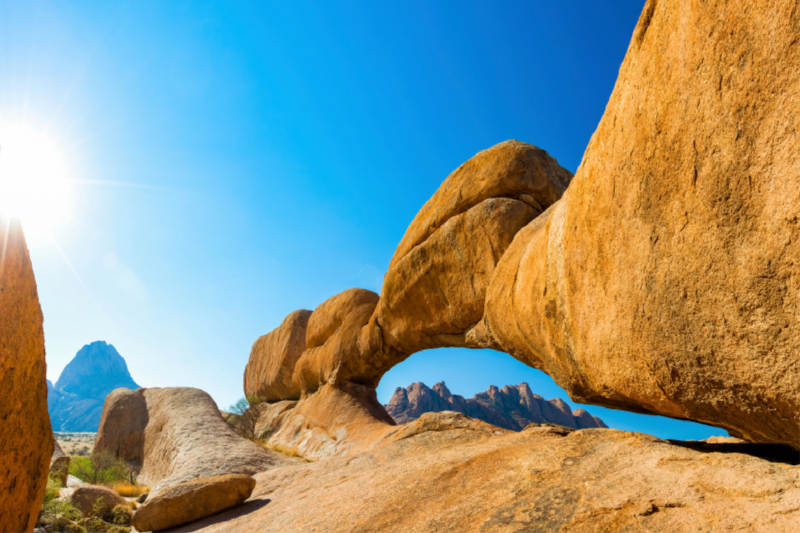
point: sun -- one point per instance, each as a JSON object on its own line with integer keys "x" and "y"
{"x": 33, "y": 181}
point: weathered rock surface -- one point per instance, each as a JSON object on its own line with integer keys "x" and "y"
{"x": 94, "y": 500}
{"x": 328, "y": 317}
{"x": 26, "y": 437}
{"x": 512, "y": 407}
{"x": 667, "y": 280}
{"x": 186, "y": 439}
{"x": 453, "y": 477}
{"x": 75, "y": 402}
{"x": 59, "y": 465}
{"x": 192, "y": 500}
{"x": 336, "y": 420}
{"x": 122, "y": 425}
{"x": 268, "y": 374}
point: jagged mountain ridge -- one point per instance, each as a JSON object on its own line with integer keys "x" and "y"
{"x": 512, "y": 407}
{"x": 75, "y": 402}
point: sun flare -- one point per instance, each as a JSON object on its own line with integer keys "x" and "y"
{"x": 33, "y": 180}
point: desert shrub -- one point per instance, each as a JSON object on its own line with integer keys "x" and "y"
{"x": 119, "y": 515}
{"x": 129, "y": 490}
{"x": 60, "y": 515}
{"x": 101, "y": 468}
{"x": 239, "y": 407}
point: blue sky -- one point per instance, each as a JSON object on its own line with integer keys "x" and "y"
{"x": 235, "y": 161}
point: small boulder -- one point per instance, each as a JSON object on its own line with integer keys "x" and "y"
{"x": 192, "y": 500}
{"x": 93, "y": 500}
{"x": 59, "y": 465}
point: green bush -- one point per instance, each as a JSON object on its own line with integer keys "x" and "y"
{"x": 101, "y": 468}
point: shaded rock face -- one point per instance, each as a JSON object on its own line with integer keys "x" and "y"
{"x": 122, "y": 425}
{"x": 75, "y": 402}
{"x": 512, "y": 407}
{"x": 441, "y": 473}
{"x": 192, "y": 500}
{"x": 666, "y": 280}
{"x": 26, "y": 437}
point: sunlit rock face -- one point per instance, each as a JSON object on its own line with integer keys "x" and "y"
{"x": 667, "y": 280}
{"x": 512, "y": 407}
{"x": 76, "y": 400}
{"x": 26, "y": 438}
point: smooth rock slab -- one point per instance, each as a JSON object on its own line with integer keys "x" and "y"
{"x": 449, "y": 474}
{"x": 192, "y": 500}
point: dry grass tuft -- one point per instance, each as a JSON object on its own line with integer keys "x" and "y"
{"x": 127, "y": 490}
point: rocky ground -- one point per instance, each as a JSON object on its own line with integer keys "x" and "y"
{"x": 543, "y": 479}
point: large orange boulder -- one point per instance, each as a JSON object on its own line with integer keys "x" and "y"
{"x": 26, "y": 437}
{"x": 667, "y": 280}
{"x": 122, "y": 424}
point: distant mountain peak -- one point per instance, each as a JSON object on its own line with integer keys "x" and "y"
{"x": 96, "y": 367}
{"x": 512, "y": 407}
{"x": 76, "y": 400}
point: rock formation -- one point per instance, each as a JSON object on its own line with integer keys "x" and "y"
{"x": 26, "y": 437}
{"x": 449, "y": 475}
{"x": 75, "y": 402}
{"x": 512, "y": 407}
{"x": 185, "y": 438}
{"x": 192, "y": 500}
{"x": 59, "y": 465}
{"x": 180, "y": 439}
{"x": 122, "y": 425}
{"x": 665, "y": 281}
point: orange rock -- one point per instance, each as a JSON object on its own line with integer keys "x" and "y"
{"x": 667, "y": 280}
{"x": 433, "y": 295}
{"x": 192, "y": 500}
{"x": 122, "y": 424}
{"x": 511, "y": 169}
{"x": 330, "y": 314}
{"x": 26, "y": 437}
{"x": 272, "y": 360}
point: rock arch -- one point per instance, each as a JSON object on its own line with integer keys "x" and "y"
{"x": 597, "y": 288}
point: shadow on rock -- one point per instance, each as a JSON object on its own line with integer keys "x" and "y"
{"x": 220, "y": 518}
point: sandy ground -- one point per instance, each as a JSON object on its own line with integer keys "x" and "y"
{"x": 76, "y": 443}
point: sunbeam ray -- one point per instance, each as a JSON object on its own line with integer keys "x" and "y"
{"x": 77, "y": 276}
